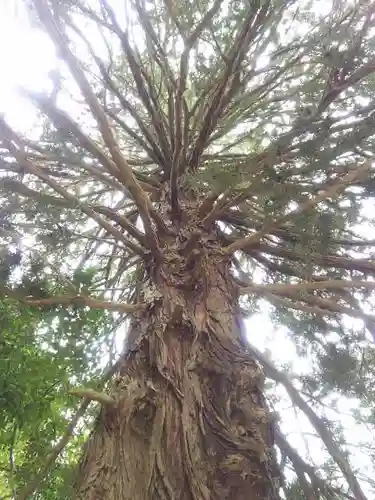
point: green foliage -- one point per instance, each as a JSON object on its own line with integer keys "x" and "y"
{"x": 270, "y": 107}
{"x": 42, "y": 356}
{"x": 32, "y": 394}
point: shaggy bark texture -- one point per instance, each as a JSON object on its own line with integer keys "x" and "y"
{"x": 190, "y": 420}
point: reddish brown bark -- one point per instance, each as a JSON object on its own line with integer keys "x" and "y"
{"x": 191, "y": 421}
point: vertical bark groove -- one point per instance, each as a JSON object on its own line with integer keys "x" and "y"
{"x": 191, "y": 421}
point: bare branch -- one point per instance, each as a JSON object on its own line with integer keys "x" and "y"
{"x": 292, "y": 288}
{"x": 326, "y": 260}
{"x": 331, "y": 192}
{"x": 123, "y": 170}
{"x": 11, "y": 138}
{"x": 100, "y": 397}
{"x": 51, "y": 458}
{"x": 182, "y": 117}
{"x": 74, "y": 300}
{"x": 320, "y": 426}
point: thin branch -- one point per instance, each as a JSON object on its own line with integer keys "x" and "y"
{"x": 331, "y": 192}
{"x": 333, "y": 306}
{"x": 12, "y": 469}
{"x": 73, "y": 300}
{"x": 208, "y": 204}
{"x": 139, "y": 78}
{"x": 11, "y": 138}
{"x": 312, "y": 491}
{"x": 51, "y": 458}
{"x": 222, "y": 90}
{"x": 318, "y": 305}
{"x": 327, "y": 260}
{"x": 292, "y": 304}
{"x": 182, "y": 118}
{"x": 172, "y": 14}
{"x": 123, "y": 171}
{"x": 240, "y": 219}
{"x": 122, "y": 220}
{"x": 231, "y": 196}
{"x": 337, "y": 88}
{"x": 320, "y": 426}
{"x": 63, "y": 121}
{"x": 152, "y": 150}
{"x": 160, "y": 56}
{"x": 99, "y": 397}
{"x": 292, "y": 288}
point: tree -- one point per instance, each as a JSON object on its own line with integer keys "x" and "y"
{"x": 192, "y": 159}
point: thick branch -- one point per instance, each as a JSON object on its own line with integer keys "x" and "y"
{"x": 124, "y": 170}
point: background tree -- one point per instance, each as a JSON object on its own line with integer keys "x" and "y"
{"x": 191, "y": 160}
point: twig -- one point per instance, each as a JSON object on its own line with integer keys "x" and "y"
{"x": 331, "y": 192}
{"x": 302, "y": 468}
{"x": 182, "y": 118}
{"x": 320, "y": 427}
{"x": 100, "y": 397}
{"x": 51, "y": 458}
{"x": 10, "y": 137}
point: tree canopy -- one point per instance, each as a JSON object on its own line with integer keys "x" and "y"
{"x": 263, "y": 112}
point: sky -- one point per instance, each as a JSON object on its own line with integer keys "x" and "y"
{"x": 26, "y": 57}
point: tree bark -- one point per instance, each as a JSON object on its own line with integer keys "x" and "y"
{"x": 190, "y": 420}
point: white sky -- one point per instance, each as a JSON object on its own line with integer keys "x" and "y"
{"x": 26, "y": 57}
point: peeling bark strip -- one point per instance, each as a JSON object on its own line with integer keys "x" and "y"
{"x": 191, "y": 421}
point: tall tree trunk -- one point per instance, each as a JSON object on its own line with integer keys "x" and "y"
{"x": 191, "y": 421}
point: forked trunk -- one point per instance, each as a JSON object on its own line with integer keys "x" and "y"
{"x": 191, "y": 421}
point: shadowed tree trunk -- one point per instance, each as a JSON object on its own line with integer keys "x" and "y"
{"x": 190, "y": 420}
